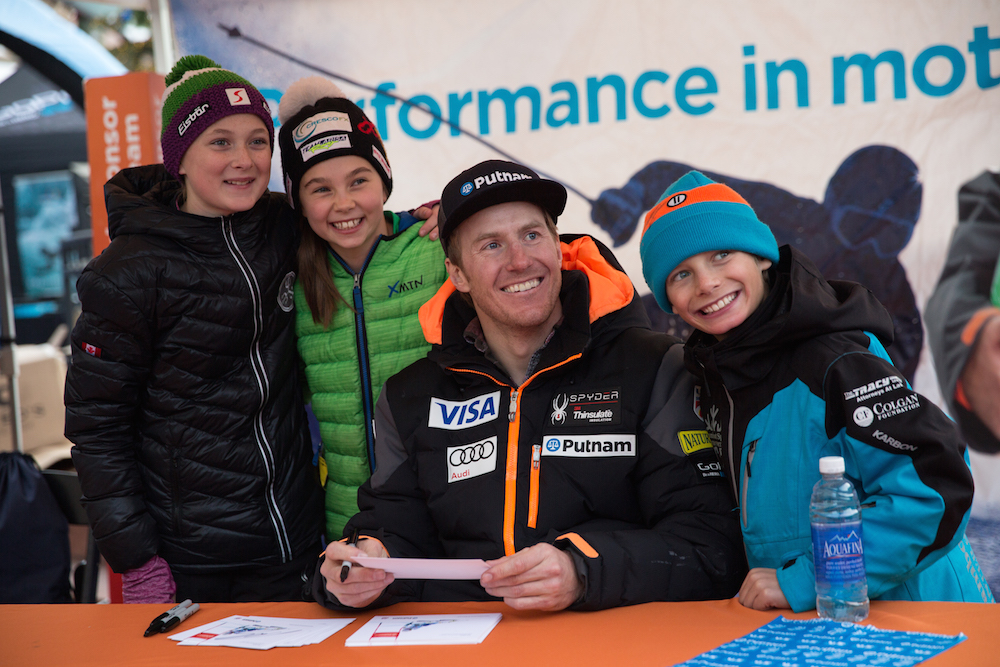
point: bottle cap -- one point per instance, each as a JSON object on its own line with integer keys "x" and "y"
{"x": 831, "y": 465}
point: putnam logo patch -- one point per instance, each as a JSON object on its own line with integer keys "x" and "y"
{"x": 456, "y": 415}
{"x": 590, "y": 446}
{"x": 694, "y": 441}
{"x": 472, "y": 460}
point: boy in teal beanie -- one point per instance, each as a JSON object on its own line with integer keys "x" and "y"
{"x": 790, "y": 368}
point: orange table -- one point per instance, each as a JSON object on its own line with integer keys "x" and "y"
{"x": 655, "y": 634}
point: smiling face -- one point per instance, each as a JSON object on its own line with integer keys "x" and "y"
{"x": 511, "y": 266}
{"x": 342, "y": 199}
{"x": 716, "y": 291}
{"x": 227, "y": 167}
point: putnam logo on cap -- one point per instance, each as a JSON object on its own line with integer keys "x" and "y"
{"x": 237, "y": 96}
{"x": 496, "y": 177}
{"x": 322, "y": 122}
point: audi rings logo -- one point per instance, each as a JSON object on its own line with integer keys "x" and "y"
{"x": 470, "y": 454}
{"x": 472, "y": 460}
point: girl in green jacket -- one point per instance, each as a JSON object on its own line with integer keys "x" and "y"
{"x": 363, "y": 274}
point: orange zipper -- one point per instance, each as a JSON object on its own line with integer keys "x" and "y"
{"x": 536, "y": 465}
{"x": 510, "y": 468}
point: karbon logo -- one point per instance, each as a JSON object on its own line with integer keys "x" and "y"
{"x": 677, "y": 200}
{"x": 457, "y": 415}
{"x": 472, "y": 460}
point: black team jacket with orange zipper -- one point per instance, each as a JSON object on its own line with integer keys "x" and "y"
{"x": 470, "y": 465}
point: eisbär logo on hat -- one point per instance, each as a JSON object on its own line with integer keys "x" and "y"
{"x": 495, "y": 182}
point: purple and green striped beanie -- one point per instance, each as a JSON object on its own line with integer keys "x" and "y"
{"x": 198, "y": 93}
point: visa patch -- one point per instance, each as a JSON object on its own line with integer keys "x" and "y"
{"x": 456, "y": 415}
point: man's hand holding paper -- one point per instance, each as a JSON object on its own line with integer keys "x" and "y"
{"x": 363, "y": 584}
{"x": 539, "y": 577}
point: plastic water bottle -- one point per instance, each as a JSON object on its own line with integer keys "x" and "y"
{"x": 838, "y": 551}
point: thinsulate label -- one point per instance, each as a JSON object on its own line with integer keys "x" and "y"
{"x": 838, "y": 553}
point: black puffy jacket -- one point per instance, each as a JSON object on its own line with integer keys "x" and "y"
{"x": 182, "y": 397}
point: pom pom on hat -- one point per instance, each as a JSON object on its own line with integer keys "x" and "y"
{"x": 306, "y": 92}
{"x": 696, "y": 215}
{"x": 319, "y": 123}
{"x": 199, "y": 92}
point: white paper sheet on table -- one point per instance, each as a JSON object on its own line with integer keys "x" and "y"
{"x": 426, "y": 568}
{"x": 261, "y": 632}
{"x": 425, "y": 629}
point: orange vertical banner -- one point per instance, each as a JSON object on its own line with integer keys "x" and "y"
{"x": 123, "y": 130}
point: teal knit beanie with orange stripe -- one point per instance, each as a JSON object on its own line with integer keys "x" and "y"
{"x": 696, "y": 215}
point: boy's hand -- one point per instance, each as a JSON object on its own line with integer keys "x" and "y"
{"x": 760, "y": 590}
{"x": 539, "y": 577}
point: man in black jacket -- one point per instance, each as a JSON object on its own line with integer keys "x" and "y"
{"x": 522, "y": 439}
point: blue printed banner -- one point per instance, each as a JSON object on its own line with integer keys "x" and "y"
{"x": 849, "y": 126}
{"x": 782, "y": 643}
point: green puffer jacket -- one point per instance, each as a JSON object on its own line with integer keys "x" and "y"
{"x": 347, "y": 364}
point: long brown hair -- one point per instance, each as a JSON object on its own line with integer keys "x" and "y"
{"x": 320, "y": 291}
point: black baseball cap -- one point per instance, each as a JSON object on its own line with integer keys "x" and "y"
{"x": 495, "y": 182}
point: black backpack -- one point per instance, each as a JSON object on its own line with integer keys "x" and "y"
{"x": 35, "y": 558}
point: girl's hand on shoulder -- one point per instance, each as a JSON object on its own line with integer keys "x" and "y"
{"x": 429, "y": 214}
